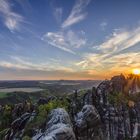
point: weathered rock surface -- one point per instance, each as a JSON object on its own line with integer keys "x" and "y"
{"x": 118, "y": 82}
{"x": 103, "y": 90}
{"x": 17, "y": 126}
{"x": 59, "y": 126}
{"x": 88, "y": 124}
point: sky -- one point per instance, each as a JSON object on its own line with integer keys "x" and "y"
{"x": 68, "y": 39}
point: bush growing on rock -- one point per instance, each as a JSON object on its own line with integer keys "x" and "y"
{"x": 117, "y": 99}
{"x": 39, "y": 121}
{"x": 26, "y": 138}
{"x": 5, "y": 117}
{"x": 2, "y": 133}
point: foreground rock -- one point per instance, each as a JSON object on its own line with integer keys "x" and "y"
{"x": 59, "y": 127}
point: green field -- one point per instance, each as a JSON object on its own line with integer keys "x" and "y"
{"x": 3, "y": 94}
{"x": 29, "y": 90}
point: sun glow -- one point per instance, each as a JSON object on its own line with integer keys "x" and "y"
{"x": 136, "y": 71}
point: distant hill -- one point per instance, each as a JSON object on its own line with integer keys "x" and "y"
{"x": 12, "y": 92}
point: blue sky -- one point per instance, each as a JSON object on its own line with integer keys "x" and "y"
{"x": 68, "y": 39}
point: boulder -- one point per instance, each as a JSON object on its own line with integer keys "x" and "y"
{"x": 87, "y": 123}
{"x": 42, "y": 101}
{"x": 59, "y": 126}
{"x": 60, "y": 132}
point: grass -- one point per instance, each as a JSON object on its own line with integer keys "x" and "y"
{"x": 29, "y": 90}
{"x": 3, "y": 94}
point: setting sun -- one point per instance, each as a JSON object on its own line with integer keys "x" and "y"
{"x": 136, "y": 71}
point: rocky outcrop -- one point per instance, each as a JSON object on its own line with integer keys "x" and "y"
{"x": 17, "y": 126}
{"x": 88, "y": 124}
{"x": 89, "y": 116}
{"x": 103, "y": 90}
{"x": 59, "y": 127}
{"x": 118, "y": 83}
{"x": 42, "y": 101}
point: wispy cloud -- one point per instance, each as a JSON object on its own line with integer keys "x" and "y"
{"x": 110, "y": 57}
{"x": 25, "y": 64}
{"x": 77, "y": 14}
{"x": 103, "y": 25}
{"x": 11, "y": 19}
{"x": 96, "y": 64}
{"x": 25, "y": 5}
{"x": 91, "y": 61}
{"x": 65, "y": 40}
{"x": 22, "y": 68}
{"x": 58, "y": 14}
{"x": 120, "y": 41}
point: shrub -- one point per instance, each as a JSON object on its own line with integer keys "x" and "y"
{"x": 26, "y": 138}
{"x": 2, "y": 134}
{"x": 117, "y": 99}
{"x": 39, "y": 121}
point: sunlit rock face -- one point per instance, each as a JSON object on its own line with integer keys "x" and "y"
{"x": 58, "y": 115}
{"x": 87, "y": 123}
{"x": 60, "y": 132}
{"x": 118, "y": 83}
{"x": 59, "y": 126}
{"x": 134, "y": 84}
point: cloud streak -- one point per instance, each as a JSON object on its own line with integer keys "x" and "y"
{"x": 12, "y": 20}
{"x": 103, "y": 25}
{"x": 24, "y": 64}
{"x": 120, "y": 41}
{"x": 65, "y": 40}
{"x": 77, "y": 14}
{"x": 58, "y": 14}
{"x": 110, "y": 57}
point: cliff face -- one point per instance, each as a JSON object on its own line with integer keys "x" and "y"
{"x": 103, "y": 113}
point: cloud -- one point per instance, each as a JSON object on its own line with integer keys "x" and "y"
{"x": 12, "y": 20}
{"x": 103, "y": 25}
{"x": 111, "y": 57}
{"x": 77, "y": 14}
{"x": 96, "y": 64}
{"x": 58, "y": 14}
{"x": 25, "y": 5}
{"x": 120, "y": 41}
{"x": 19, "y": 63}
{"x": 22, "y": 68}
{"x": 65, "y": 40}
{"x": 91, "y": 61}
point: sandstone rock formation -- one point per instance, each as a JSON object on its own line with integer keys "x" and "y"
{"x": 59, "y": 126}
{"x": 88, "y": 124}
